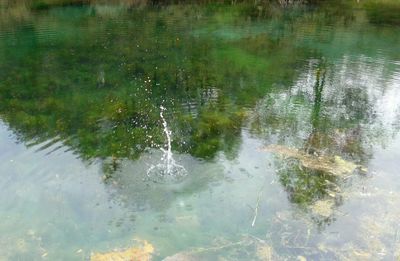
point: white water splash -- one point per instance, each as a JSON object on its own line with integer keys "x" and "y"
{"x": 167, "y": 169}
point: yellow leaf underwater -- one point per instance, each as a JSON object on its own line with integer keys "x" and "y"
{"x": 143, "y": 253}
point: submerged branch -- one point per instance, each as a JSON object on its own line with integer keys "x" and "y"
{"x": 257, "y": 205}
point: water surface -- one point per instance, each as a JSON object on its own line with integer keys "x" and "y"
{"x": 81, "y": 90}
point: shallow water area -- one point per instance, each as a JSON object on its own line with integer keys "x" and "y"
{"x": 209, "y": 132}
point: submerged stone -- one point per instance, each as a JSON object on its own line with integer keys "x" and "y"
{"x": 181, "y": 257}
{"x": 333, "y": 165}
{"x": 323, "y": 208}
{"x": 264, "y": 251}
{"x": 249, "y": 248}
{"x": 142, "y": 253}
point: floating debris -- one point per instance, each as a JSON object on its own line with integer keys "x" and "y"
{"x": 143, "y": 253}
{"x": 334, "y": 165}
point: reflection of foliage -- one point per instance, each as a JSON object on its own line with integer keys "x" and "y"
{"x": 325, "y": 118}
{"x": 314, "y": 190}
{"x": 98, "y": 88}
{"x": 304, "y": 186}
{"x": 383, "y": 11}
{"x": 100, "y": 93}
{"x": 100, "y": 113}
{"x": 213, "y": 126}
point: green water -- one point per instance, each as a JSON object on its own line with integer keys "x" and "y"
{"x": 80, "y": 95}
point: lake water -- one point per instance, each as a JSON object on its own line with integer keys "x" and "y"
{"x": 252, "y": 99}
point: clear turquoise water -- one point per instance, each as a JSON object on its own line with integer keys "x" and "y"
{"x": 81, "y": 90}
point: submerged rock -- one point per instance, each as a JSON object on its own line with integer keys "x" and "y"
{"x": 323, "y": 208}
{"x": 183, "y": 256}
{"x": 264, "y": 251}
{"x": 249, "y": 248}
{"x": 333, "y": 165}
{"x": 142, "y": 253}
